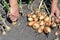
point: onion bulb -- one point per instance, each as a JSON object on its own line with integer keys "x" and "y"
{"x": 54, "y": 24}
{"x": 30, "y": 19}
{"x": 29, "y": 15}
{"x": 47, "y": 29}
{"x": 36, "y": 25}
{"x": 36, "y": 19}
{"x": 41, "y": 17}
{"x": 14, "y": 23}
{"x": 31, "y": 23}
{"x": 47, "y": 19}
{"x": 40, "y": 30}
{"x": 42, "y": 23}
{"x": 48, "y": 23}
{"x": 34, "y": 16}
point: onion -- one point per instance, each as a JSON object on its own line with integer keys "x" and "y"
{"x": 54, "y": 24}
{"x": 29, "y": 15}
{"x": 42, "y": 23}
{"x": 35, "y": 19}
{"x": 41, "y": 17}
{"x": 48, "y": 23}
{"x": 34, "y": 16}
{"x": 30, "y": 19}
{"x": 36, "y": 25}
{"x": 14, "y": 23}
{"x": 47, "y": 29}
{"x": 47, "y": 19}
{"x": 40, "y": 30}
{"x": 31, "y": 23}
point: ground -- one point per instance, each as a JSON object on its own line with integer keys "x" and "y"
{"x": 23, "y": 32}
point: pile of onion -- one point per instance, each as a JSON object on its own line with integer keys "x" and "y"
{"x": 40, "y": 22}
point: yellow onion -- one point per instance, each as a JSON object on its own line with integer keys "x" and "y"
{"x": 47, "y": 30}
{"x": 31, "y": 23}
{"x": 54, "y": 24}
{"x": 42, "y": 23}
{"x": 36, "y": 19}
{"x": 48, "y": 23}
{"x": 47, "y": 19}
{"x": 41, "y": 17}
{"x": 30, "y": 19}
{"x": 34, "y": 16}
{"x": 42, "y": 27}
{"x": 36, "y": 25}
{"x": 14, "y": 23}
{"x": 29, "y": 15}
{"x": 40, "y": 30}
